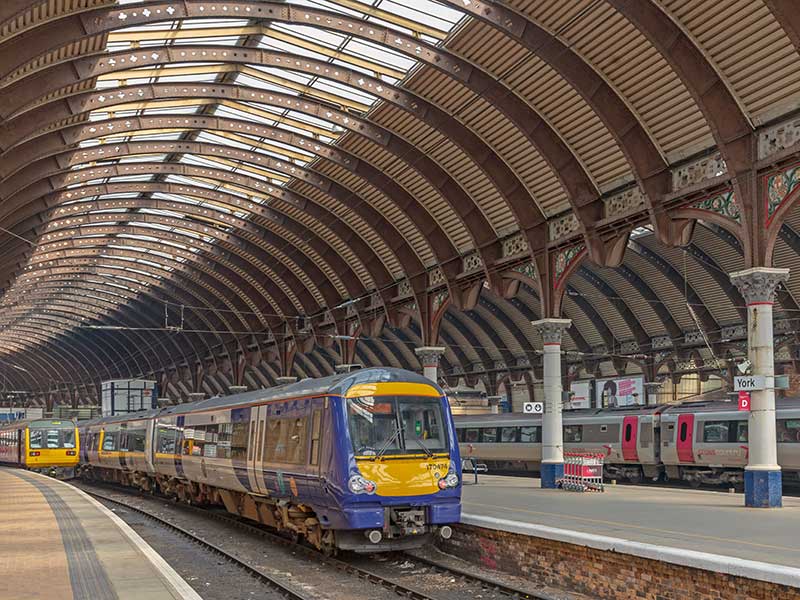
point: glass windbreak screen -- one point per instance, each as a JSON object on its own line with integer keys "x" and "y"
{"x": 396, "y": 425}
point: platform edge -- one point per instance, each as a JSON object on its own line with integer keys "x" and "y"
{"x": 182, "y": 590}
{"x": 740, "y": 567}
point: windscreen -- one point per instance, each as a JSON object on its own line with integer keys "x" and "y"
{"x": 50, "y": 435}
{"x": 396, "y": 425}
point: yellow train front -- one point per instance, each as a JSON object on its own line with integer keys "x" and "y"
{"x": 40, "y": 444}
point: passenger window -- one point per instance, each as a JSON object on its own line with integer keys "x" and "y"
{"x": 788, "y": 431}
{"x": 573, "y": 433}
{"x": 529, "y": 435}
{"x": 509, "y": 434}
{"x": 715, "y": 432}
{"x": 472, "y": 435}
{"x": 109, "y": 442}
{"x": 489, "y": 434}
{"x": 316, "y": 435}
{"x": 741, "y": 431}
{"x": 684, "y": 431}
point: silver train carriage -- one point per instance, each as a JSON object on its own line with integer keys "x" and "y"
{"x": 698, "y": 442}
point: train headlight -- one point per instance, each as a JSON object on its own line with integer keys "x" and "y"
{"x": 359, "y": 485}
{"x": 449, "y": 481}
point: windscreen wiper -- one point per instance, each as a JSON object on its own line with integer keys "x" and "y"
{"x": 424, "y": 447}
{"x": 397, "y": 430}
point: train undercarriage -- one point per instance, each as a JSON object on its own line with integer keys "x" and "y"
{"x": 405, "y": 526}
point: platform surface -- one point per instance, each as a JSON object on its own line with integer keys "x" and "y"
{"x": 57, "y": 543}
{"x": 698, "y": 520}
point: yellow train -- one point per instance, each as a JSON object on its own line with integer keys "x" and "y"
{"x": 40, "y": 444}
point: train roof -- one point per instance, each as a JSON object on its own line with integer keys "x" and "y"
{"x": 25, "y": 422}
{"x": 333, "y": 385}
{"x": 716, "y": 405}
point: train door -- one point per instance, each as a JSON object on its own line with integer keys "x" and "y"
{"x": 685, "y": 438}
{"x": 20, "y": 446}
{"x": 255, "y": 456}
{"x": 630, "y": 426}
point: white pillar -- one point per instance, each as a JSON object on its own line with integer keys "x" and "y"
{"x": 762, "y": 477}
{"x": 429, "y": 357}
{"x": 552, "y": 468}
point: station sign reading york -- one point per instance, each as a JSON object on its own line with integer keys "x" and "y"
{"x": 749, "y": 383}
{"x": 533, "y": 408}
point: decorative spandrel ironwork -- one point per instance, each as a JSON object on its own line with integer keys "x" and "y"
{"x": 779, "y": 187}
{"x": 723, "y": 203}
{"x": 528, "y": 269}
{"x": 439, "y": 299}
{"x": 564, "y": 259}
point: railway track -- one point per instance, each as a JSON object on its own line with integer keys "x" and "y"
{"x": 347, "y": 566}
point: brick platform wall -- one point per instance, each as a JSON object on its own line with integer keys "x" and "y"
{"x": 602, "y": 573}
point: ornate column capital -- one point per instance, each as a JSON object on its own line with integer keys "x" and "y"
{"x": 429, "y": 355}
{"x": 757, "y": 285}
{"x": 652, "y": 386}
{"x": 552, "y": 330}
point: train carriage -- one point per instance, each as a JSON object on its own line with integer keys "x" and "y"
{"x": 45, "y": 444}
{"x": 698, "y": 442}
{"x": 363, "y": 461}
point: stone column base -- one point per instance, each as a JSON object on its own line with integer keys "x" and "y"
{"x": 550, "y": 473}
{"x": 763, "y": 489}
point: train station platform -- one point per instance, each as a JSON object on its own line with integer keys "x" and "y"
{"x": 707, "y": 530}
{"x": 56, "y": 542}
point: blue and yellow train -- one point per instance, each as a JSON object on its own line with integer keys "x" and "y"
{"x": 366, "y": 461}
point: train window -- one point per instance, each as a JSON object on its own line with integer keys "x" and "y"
{"x": 239, "y": 440}
{"x": 460, "y": 434}
{"x": 573, "y": 433}
{"x": 472, "y": 435}
{"x": 715, "y": 431}
{"x": 165, "y": 440}
{"x": 788, "y": 431}
{"x": 297, "y": 441}
{"x": 109, "y": 441}
{"x": 741, "y": 431}
{"x": 252, "y": 446}
{"x": 316, "y": 435}
{"x": 489, "y": 435}
{"x": 509, "y": 434}
{"x": 530, "y": 435}
{"x": 603, "y": 428}
{"x": 36, "y": 438}
{"x": 684, "y": 431}
{"x": 260, "y": 440}
{"x": 628, "y": 432}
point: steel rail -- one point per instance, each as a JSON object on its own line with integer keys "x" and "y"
{"x": 285, "y": 590}
{"x": 339, "y": 564}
